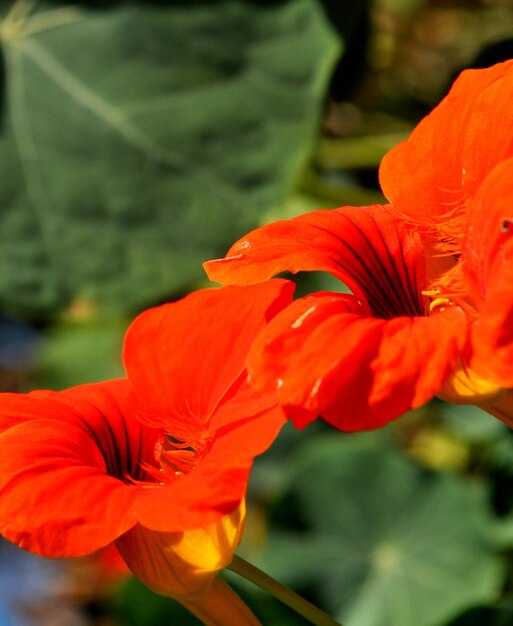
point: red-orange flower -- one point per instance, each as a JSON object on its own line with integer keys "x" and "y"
{"x": 432, "y": 177}
{"x": 409, "y": 330}
{"x": 357, "y": 360}
{"x": 157, "y": 462}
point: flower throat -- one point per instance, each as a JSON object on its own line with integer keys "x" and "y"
{"x": 176, "y": 457}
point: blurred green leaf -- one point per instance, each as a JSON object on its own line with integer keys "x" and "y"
{"x": 351, "y": 152}
{"x": 485, "y": 616}
{"x": 142, "y": 139}
{"x": 497, "y": 461}
{"x": 384, "y": 541}
{"x": 296, "y": 204}
{"x": 472, "y": 424}
{"x": 136, "y": 605}
{"x": 80, "y": 352}
{"x": 339, "y": 189}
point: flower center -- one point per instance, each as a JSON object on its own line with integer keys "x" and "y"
{"x": 440, "y": 304}
{"x": 176, "y": 457}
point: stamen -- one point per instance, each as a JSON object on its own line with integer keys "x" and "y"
{"x": 177, "y": 457}
{"x": 440, "y": 304}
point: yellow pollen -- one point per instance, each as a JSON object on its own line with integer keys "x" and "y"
{"x": 431, "y": 293}
{"x": 440, "y": 304}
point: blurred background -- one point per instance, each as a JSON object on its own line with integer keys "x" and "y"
{"x": 138, "y": 139}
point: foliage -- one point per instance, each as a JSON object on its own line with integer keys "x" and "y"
{"x": 140, "y": 140}
{"x": 77, "y": 352}
{"x": 383, "y": 541}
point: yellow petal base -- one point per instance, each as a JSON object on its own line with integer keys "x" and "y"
{"x": 182, "y": 565}
{"x": 466, "y": 387}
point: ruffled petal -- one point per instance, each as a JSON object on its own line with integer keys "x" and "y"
{"x": 430, "y": 184}
{"x": 376, "y": 255}
{"x": 325, "y": 358}
{"x": 183, "y": 358}
{"x": 488, "y": 272}
{"x": 489, "y": 136}
{"x": 66, "y": 467}
{"x": 492, "y": 337}
{"x": 493, "y": 331}
{"x": 489, "y": 230}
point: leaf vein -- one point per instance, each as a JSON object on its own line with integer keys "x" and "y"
{"x": 117, "y": 120}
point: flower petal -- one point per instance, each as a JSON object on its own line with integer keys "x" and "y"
{"x": 493, "y": 331}
{"x": 217, "y": 484}
{"x": 488, "y": 270}
{"x": 325, "y": 358}
{"x": 489, "y": 136}
{"x": 182, "y": 565}
{"x": 376, "y": 255}
{"x": 70, "y": 460}
{"x": 182, "y": 358}
{"x": 489, "y": 229}
{"x": 430, "y": 184}
{"x": 56, "y": 496}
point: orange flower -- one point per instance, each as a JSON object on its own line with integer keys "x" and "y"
{"x": 357, "y": 360}
{"x": 157, "y": 462}
{"x": 415, "y": 326}
{"x": 431, "y": 178}
{"x": 485, "y": 275}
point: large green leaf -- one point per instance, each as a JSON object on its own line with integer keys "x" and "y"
{"x": 142, "y": 139}
{"x": 384, "y": 542}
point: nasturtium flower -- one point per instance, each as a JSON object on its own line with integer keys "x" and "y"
{"x": 157, "y": 462}
{"x": 431, "y": 178}
{"x": 418, "y": 323}
{"x": 361, "y": 359}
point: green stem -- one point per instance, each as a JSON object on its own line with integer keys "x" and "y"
{"x": 283, "y": 593}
